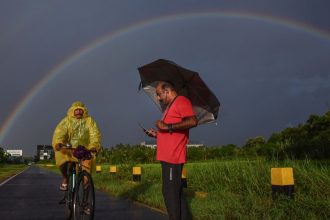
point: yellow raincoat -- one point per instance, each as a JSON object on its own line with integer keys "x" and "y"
{"x": 76, "y": 132}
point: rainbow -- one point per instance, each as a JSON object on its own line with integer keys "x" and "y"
{"x": 98, "y": 42}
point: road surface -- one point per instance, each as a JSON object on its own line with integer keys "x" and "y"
{"x": 34, "y": 194}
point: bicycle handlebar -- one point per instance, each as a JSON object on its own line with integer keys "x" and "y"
{"x": 79, "y": 152}
{"x": 66, "y": 146}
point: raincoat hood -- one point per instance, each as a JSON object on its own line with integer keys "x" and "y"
{"x": 77, "y": 105}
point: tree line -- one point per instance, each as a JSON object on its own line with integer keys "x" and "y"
{"x": 311, "y": 140}
{"x": 6, "y": 158}
{"x": 308, "y": 140}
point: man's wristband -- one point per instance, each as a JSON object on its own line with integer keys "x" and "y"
{"x": 170, "y": 128}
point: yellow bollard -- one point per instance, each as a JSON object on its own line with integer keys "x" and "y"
{"x": 98, "y": 169}
{"x": 282, "y": 182}
{"x": 184, "y": 178}
{"x": 113, "y": 169}
{"x": 136, "y": 174}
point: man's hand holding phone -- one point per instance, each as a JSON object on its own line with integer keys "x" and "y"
{"x": 150, "y": 132}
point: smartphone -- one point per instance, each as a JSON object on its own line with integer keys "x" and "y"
{"x": 143, "y": 128}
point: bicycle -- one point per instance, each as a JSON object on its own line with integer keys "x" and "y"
{"x": 80, "y": 196}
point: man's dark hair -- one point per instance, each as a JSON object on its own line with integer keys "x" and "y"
{"x": 167, "y": 85}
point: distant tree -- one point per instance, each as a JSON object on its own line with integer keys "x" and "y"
{"x": 197, "y": 153}
{"x": 127, "y": 154}
{"x": 316, "y": 124}
{"x": 253, "y": 145}
{"x": 311, "y": 139}
{"x": 3, "y": 156}
{"x": 229, "y": 151}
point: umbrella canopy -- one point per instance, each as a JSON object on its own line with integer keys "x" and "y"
{"x": 186, "y": 82}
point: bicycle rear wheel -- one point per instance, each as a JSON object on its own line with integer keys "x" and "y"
{"x": 84, "y": 197}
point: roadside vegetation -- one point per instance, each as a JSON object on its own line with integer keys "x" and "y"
{"x": 229, "y": 189}
{"x": 8, "y": 170}
{"x": 9, "y": 166}
{"x": 231, "y": 182}
{"x": 235, "y": 189}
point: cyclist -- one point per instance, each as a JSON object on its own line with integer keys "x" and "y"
{"x": 77, "y": 128}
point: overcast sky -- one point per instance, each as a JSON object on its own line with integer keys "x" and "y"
{"x": 266, "y": 61}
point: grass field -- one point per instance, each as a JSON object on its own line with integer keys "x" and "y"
{"x": 8, "y": 170}
{"x": 237, "y": 189}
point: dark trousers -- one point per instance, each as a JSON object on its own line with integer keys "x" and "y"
{"x": 174, "y": 198}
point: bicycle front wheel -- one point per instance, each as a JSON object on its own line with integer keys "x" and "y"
{"x": 84, "y": 197}
{"x": 69, "y": 196}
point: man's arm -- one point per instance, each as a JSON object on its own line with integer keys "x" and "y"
{"x": 60, "y": 135}
{"x": 186, "y": 123}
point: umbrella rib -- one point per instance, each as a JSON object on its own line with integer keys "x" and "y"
{"x": 140, "y": 85}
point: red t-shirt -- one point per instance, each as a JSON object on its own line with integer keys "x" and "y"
{"x": 172, "y": 148}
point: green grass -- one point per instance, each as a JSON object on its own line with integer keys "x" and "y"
{"x": 8, "y": 170}
{"x": 237, "y": 189}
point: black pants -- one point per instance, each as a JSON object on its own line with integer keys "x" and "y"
{"x": 174, "y": 198}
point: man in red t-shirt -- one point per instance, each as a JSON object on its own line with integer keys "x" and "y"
{"x": 172, "y": 137}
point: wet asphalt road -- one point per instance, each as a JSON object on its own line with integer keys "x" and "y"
{"x": 34, "y": 194}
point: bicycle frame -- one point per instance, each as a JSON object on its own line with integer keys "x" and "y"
{"x": 76, "y": 175}
{"x": 69, "y": 195}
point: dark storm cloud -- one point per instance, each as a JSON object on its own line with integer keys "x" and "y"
{"x": 267, "y": 76}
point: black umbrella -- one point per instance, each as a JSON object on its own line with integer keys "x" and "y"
{"x": 186, "y": 82}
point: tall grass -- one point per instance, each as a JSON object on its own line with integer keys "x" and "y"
{"x": 8, "y": 170}
{"x": 239, "y": 189}
{"x": 242, "y": 189}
